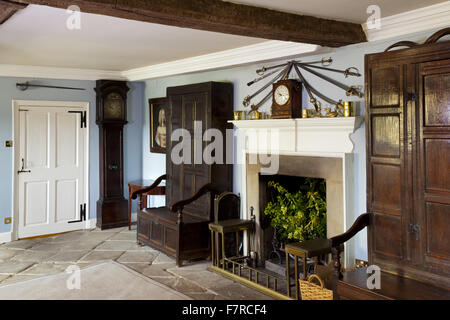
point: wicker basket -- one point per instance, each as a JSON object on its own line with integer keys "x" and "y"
{"x": 311, "y": 291}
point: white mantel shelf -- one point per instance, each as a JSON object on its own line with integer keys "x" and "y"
{"x": 313, "y": 135}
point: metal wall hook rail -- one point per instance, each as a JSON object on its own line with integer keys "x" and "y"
{"x": 24, "y": 86}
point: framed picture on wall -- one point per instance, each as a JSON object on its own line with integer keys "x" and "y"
{"x": 158, "y": 112}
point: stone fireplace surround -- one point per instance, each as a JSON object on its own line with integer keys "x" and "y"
{"x": 317, "y": 148}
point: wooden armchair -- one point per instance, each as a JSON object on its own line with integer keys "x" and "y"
{"x": 337, "y": 242}
{"x": 181, "y": 235}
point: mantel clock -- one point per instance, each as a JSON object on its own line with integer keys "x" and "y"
{"x": 287, "y": 99}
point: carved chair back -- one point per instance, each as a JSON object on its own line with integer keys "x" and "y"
{"x": 227, "y": 206}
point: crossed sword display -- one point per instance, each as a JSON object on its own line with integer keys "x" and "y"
{"x": 282, "y": 72}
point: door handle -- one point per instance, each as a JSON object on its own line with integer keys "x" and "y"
{"x": 23, "y": 167}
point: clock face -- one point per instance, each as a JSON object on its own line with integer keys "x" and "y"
{"x": 281, "y": 95}
{"x": 113, "y": 107}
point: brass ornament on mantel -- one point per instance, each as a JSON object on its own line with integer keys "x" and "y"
{"x": 282, "y": 72}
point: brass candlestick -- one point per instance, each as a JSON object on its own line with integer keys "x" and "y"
{"x": 239, "y": 115}
{"x": 256, "y": 115}
{"x": 349, "y": 109}
{"x": 306, "y": 113}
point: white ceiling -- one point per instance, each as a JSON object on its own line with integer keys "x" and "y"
{"x": 38, "y": 36}
{"x": 343, "y": 10}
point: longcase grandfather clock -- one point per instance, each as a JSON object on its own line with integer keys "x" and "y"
{"x": 112, "y": 207}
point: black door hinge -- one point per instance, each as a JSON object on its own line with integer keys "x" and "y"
{"x": 82, "y": 214}
{"x": 83, "y": 118}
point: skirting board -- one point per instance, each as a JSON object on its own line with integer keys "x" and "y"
{"x": 5, "y": 237}
{"x": 90, "y": 224}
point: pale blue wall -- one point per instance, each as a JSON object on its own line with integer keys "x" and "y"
{"x": 154, "y": 165}
{"x": 132, "y": 133}
{"x": 132, "y": 149}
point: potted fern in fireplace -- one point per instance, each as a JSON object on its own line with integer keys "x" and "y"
{"x": 299, "y": 215}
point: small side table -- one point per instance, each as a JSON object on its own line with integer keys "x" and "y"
{"x": 223, "y": 227}
{"x": 304, "y": 250}
{"x": 139, "y": 184}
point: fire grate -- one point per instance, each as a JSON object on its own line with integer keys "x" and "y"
{"x": 260, "y": 279}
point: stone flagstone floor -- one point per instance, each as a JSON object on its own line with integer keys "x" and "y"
{"x": 25, "y": 259}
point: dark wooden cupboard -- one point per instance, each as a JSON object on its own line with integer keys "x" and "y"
{"x": 180, "y": 229}
{"x": 209, "y": 104}
{"x": 408, "y": 161}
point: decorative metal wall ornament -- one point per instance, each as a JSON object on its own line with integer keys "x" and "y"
{"x": 283, "y": 71}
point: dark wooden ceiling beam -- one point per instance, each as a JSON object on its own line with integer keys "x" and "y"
{"x": 8, "y": 9}
{"x": 224, "y": 17}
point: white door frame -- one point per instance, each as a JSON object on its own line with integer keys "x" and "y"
{"x": 16, "y": 105}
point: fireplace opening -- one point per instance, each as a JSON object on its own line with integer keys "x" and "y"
{"x": 292, "y": 209}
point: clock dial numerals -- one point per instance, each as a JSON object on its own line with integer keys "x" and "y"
{"x": 281, "y": 95}
{"x": 113, "y": 107}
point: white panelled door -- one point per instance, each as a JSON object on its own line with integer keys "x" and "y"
{"x": 51, "y": 170}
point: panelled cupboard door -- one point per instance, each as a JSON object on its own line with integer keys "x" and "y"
{"x": 387, "y": 174}
{"x": 195, "y": 173}
{"x": 52, "y": 156}
{"x": 433, "y": 179}
{"x": 186, "y": 112}
{"x": 408, "y": 161}
{"x": 173, "y": 169}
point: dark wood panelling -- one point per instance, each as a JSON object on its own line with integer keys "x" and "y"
{"x": 386, "y": 136}
{"x": 143, "y": 228}
{"x": 170, "y": 239}
{"x": 156, "y": 232}
{"x": 389, "y": 241}
{"x": 354, "y": 286}
{"x": 437, "y": 97}
{"x": 408, "y": 153}
{"x": 433, "y": 178}
{"x": 386, "y": 173}
{"x": 385, "y": 87}
{"x": 437, "y": 229}
{"x": 437, "y": 164}
{"x": 386, "y": 189}
{"x": 194, "y": 108}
